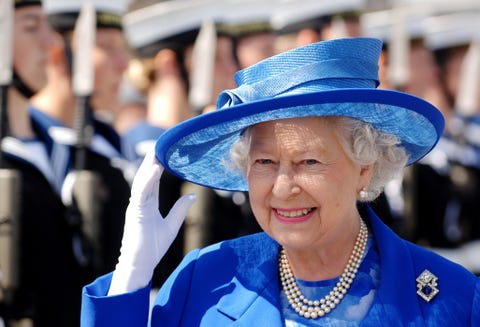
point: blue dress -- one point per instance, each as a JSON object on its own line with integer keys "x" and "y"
{"x": 356, "y": 303}
{"x": 235, "y": 283}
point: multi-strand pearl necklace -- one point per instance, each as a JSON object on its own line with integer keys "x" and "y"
{"x": 318, "y": 308}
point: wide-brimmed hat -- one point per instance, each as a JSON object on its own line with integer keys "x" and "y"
{"x": 330, "y": 78}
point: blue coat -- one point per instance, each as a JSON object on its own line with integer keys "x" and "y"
{"x": 235, "y": 283}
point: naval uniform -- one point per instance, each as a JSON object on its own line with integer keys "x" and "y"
{"x": 447, "y": 188}
{"x": 46, "y": 246}
{"x": 105, "y": 158}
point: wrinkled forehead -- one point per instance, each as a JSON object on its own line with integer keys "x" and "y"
{"x": 302, "y": 129}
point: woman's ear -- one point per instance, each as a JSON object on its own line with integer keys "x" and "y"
{"x": 366, "y": 173}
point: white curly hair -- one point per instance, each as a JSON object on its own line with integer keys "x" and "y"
{"x": 363, "y": 143}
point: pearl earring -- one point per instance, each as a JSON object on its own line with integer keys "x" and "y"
{"x": 363, "y": 193}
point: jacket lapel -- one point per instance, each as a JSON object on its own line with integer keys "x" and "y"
{"x": 397, "y": 292}
{"x": 258, "y": 302}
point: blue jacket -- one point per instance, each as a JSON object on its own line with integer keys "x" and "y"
{"x": 235, "y": 283}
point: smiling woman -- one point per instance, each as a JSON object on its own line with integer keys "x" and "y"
{"x": 309, "y": 135}
{"x": 299, "y": 165}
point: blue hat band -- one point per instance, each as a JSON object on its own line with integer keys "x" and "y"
{"x": 314, "y": 77}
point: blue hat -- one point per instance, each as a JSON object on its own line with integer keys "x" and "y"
{"x": 330, "y": 78}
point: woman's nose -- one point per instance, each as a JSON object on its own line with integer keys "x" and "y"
{"x": 285, "y": 186}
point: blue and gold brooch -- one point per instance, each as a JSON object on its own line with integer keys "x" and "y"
{"x": 427, "y": 285}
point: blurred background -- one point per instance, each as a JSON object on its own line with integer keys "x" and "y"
{"x": 111, "y": 76}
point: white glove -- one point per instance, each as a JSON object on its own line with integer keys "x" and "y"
{"x": 147, "y": 235}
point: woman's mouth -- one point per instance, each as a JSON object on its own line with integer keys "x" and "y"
{"x": 293, "y": 216}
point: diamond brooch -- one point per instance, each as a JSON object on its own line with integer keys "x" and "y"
{"x": 427, "y": 285}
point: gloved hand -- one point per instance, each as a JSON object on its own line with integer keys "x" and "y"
{"x": 147, "y": 235}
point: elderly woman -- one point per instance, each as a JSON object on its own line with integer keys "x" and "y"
{"x": 309, "y": 136}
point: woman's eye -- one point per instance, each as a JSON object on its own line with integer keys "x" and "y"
{"x": 264, "y": 161}
{"x": 310, "y": 162}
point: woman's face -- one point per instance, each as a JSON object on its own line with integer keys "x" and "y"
{"x": 303, "y": 186}
{"x": 32, "y": 38}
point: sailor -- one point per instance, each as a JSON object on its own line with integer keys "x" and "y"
{"x": 409, "y": 65}
{"x": 180, "y": 70}
{"x": 44, "y": 251}
{"x": 55, "y": 109}
{"x": 437, "y": 198}
{"x": 248, "y": 22}
{"x": 454, "y": 39}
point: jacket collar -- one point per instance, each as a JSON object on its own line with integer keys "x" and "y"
{"x": 397, "y": 291}
{"x": 260, "y": 302}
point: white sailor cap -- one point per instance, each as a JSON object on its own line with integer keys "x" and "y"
{"x": 397, "y": 28}
{"x": 244, "y": 17}
{"x": 413, "y": 15}
{"x": 382, "y": 24}
{"x": 440, "y": 6}
{"x": 460, "y": 29}
{"x": 451, "y": 30}
{"x": 288, "y": 14}
{"x": 166, "y": 24}
{"x": 62, "y": 14}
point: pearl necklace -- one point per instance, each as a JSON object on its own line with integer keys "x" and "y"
{"x": 318, "y": 308}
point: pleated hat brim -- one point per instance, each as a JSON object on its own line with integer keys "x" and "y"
{"x": 197, "y": 150}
